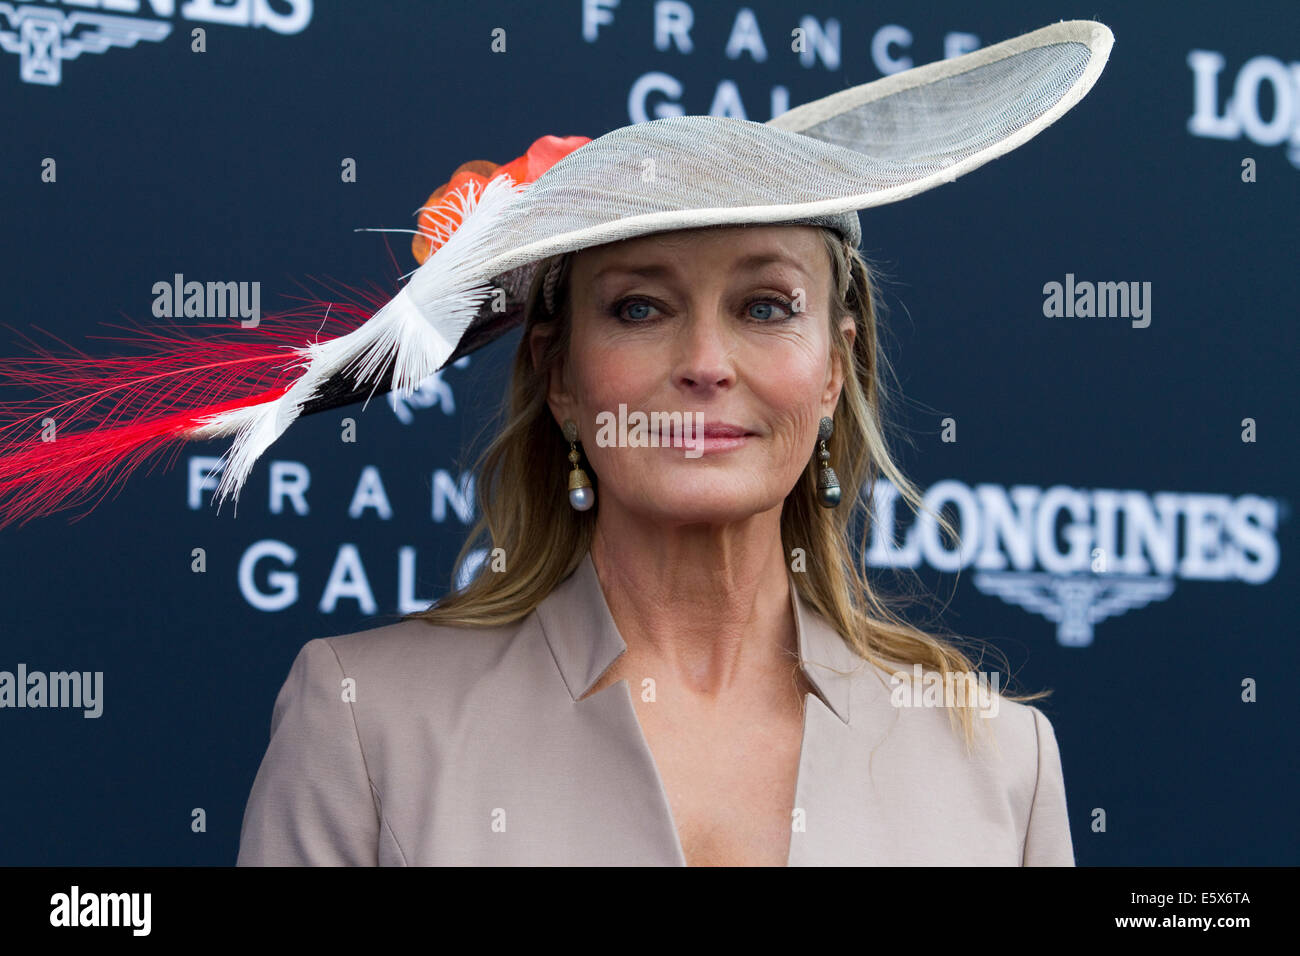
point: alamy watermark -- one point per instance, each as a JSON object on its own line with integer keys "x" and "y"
{"x": 921, "y": 688}
{"x": 1102, "y": 300}
{"x": 212, "y": 300}
{"x": 84, "y": 689}
{"x": 640, "y": 429}
{"x": 129, "y": 910}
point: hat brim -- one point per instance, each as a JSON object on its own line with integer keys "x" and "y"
{"x": 856, "y": 149}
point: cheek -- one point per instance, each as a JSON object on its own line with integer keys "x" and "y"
{"x": 788, "y": 384}
{"x": 610, "y": 374}
{"x": 606, "y": 368}
{"x": 790, "y": 375}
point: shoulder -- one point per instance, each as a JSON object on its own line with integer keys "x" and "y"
{"x": 406, "y": 644}
{"x": 1012, "y": 737}
{"x": 397, "y": 670}
{"x": 1002, "y": 795}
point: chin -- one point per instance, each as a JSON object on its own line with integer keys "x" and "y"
{"x": 714, "y": 501}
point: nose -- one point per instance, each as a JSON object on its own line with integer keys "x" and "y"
{"x": 705, "y": 351}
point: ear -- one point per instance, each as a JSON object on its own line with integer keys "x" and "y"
{"x": 558, "y": 396}
{"x": 538, "y": 338}
{"x": 835, "y": 379}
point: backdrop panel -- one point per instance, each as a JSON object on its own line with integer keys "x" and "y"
{"x": 213, "y": 140}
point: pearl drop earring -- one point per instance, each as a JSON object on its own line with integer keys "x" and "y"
{"x": 581, "y": 494}
{"x": 828, "y": 484}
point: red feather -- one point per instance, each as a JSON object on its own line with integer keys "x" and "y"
{"x": 113, "y": 414}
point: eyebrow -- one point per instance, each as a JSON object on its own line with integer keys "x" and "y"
{"x": 751, "y": 262}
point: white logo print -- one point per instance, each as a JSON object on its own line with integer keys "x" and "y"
{"x": 43, "y": 37}
{"x": 1075, "y": 602}
{"x": 1241, "y": 114}
{"x": 1078, "y": 556}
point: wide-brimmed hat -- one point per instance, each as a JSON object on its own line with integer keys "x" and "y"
{"x": 483, "y": 234}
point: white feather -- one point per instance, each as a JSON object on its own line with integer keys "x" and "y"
{"x": 417, "y": 330}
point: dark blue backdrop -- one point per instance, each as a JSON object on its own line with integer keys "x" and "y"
{"x": 226, "y": 165}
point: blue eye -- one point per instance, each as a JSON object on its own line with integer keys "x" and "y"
{"x": 767, "y": 304}
{"x": 634, "y": 310}
{"x": 631, "y": 317}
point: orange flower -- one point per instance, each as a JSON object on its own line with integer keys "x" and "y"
{"x": 541, "y": 156}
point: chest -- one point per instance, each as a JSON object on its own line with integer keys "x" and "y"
{"x": 523, "y": 778}
{"x": 731, "y": 777}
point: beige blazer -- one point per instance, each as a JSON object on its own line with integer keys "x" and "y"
{"x": 469, "y": 747}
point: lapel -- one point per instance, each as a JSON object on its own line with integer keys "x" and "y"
{"x": 829, "y": 796}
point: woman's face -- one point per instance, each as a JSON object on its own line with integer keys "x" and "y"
{"x": 729, "y": 322}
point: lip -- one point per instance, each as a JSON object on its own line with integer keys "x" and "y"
{"x": 709, "y": 444}
{"x": 715, "y": 437}
{"x": 724, "y": 430}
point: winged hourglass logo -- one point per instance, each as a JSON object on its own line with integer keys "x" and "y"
{"x": 1075, "y": 602}
{"x": 44, "y": 36}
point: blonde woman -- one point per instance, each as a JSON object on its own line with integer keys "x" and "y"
{"x": 673, "y": 654}
{"x": 647, "y": 680}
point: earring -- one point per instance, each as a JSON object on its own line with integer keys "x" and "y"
{"x": 828, "y": 483}
{"x": 581, "y": 495}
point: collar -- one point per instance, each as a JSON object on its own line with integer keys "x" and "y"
{"x": 585, "y": 641}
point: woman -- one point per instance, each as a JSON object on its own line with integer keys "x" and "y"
{"x": 631, "y": 691}
{"x": 671, "y": 654}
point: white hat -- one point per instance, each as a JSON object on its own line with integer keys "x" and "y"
{"x": 819, "y": 163}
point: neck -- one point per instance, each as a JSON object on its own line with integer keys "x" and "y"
{"x": 704, "y": 607}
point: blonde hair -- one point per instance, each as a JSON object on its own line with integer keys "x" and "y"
{"x": 522, "y": 489}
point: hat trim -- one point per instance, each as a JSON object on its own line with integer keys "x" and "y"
{"x": 1096, "y": 36}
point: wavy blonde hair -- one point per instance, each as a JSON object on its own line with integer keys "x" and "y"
{"x": 522, "y": 488}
